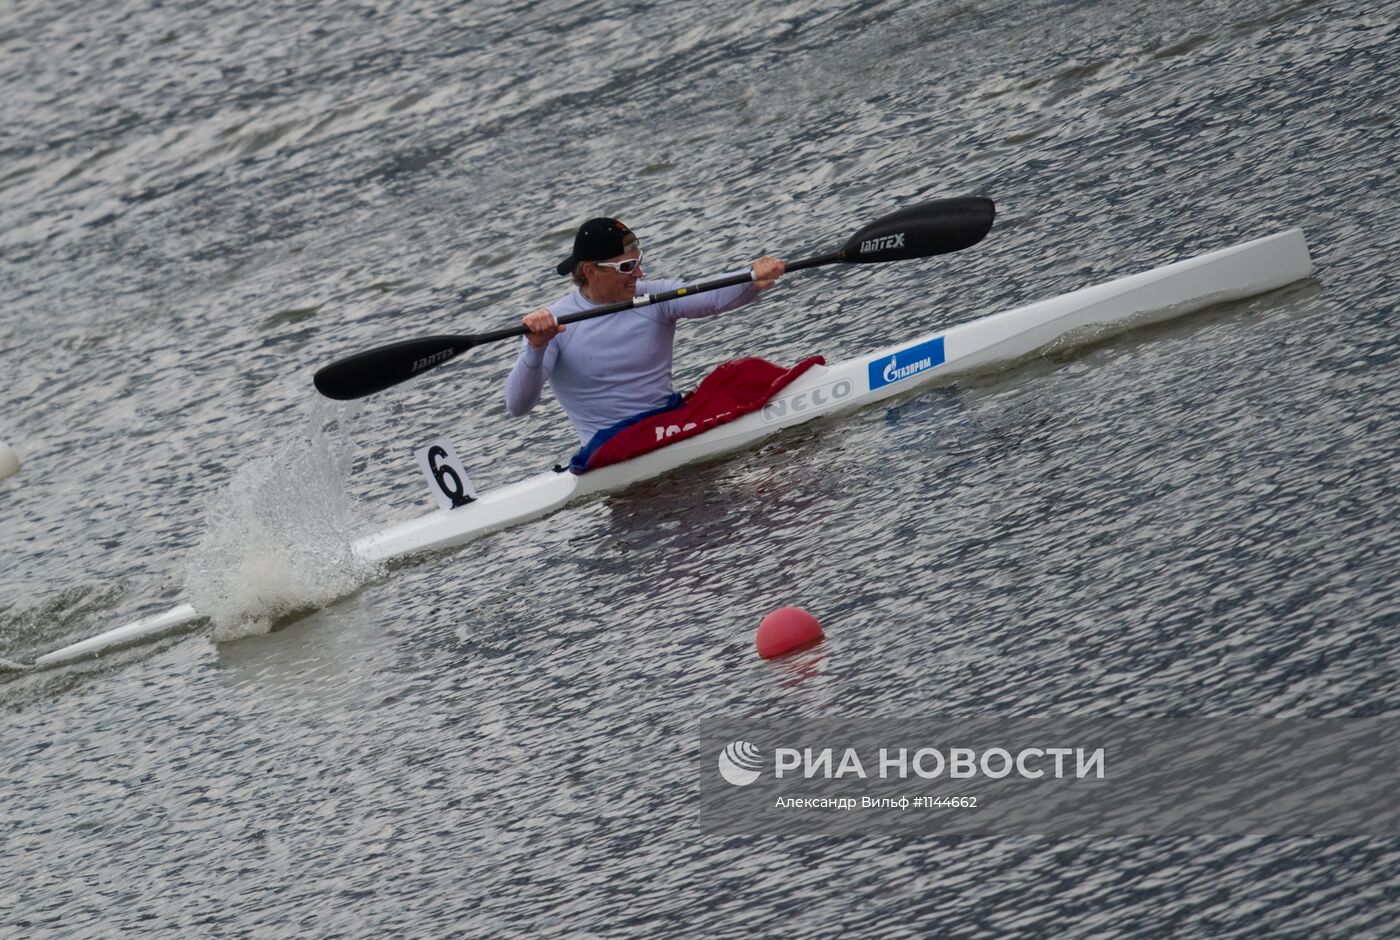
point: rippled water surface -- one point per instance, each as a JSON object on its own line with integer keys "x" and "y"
{"x": 202, "y": 203}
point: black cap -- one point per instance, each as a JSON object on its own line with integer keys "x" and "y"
{"x": 596, "y": 240}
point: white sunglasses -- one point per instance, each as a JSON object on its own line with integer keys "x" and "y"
{"x": 622, "y": 267}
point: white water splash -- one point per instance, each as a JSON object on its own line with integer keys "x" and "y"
{"x": 277, "y": 538}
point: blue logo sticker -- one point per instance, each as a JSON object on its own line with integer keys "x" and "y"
{"x": 906, "y": 363}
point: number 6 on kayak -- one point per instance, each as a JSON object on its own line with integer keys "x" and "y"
{"x": 446, "y": 476}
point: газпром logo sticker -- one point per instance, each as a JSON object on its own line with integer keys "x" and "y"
{"x": 906, "y": 362}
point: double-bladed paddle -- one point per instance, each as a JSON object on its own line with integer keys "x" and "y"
{"x": 930, "y": 228}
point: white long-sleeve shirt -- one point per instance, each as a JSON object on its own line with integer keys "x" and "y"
{"x": 615, "y": 366}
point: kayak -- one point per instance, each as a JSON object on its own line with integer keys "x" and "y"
{"x": 1173, "y": 290}
{"x": 1162, "y": 293}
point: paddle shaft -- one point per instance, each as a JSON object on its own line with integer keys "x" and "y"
{"x": 377, "y": 369}
{"x": 646, "y": 300}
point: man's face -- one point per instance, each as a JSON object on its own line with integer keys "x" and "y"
{"x": 616, "y": 278}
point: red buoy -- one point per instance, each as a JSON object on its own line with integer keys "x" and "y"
{"x": 785, "y": 630}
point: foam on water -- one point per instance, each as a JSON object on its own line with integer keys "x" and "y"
{"x": 278, "y": 536}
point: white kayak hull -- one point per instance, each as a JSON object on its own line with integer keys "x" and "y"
{"x": 936, "y": 358}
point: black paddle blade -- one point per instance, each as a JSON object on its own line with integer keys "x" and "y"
{"x": 930, "y": 228}
{"x": 375, "y": 370}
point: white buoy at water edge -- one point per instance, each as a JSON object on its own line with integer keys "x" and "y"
{"x": 9, "y": 461}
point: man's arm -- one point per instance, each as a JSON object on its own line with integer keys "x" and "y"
{"x": 535, "y": 362}
{"x": 708, "y": 304}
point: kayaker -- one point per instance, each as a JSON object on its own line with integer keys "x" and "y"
{"x": 613, "y": 367}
